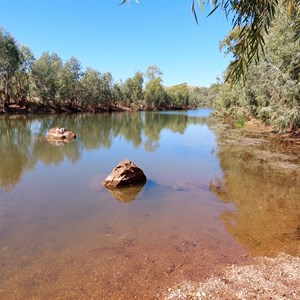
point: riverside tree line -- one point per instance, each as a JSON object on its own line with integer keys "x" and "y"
{"x": 48, "y": 84}
{"x": 271, "y": 87}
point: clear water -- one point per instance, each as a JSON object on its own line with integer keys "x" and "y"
{"x": 64, "y": 236}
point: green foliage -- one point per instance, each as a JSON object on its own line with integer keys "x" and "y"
{"x": 132, "y": 90}
{"x": 117, "y": 94}
{"x": 9, "y": 54}
{"x": 22, "y": 79}
{"x": 46, "y": 73}
{"x": 272, "y": 87}
{"x": 179, "y": 96}
{"x": 90, "y": 86}
{"x": 203, "y": 96}
{"x": 155, "y": 94}
{"x": 69, "y": 82}
{"x": 253, "y": 20}
{"x": 49, "y": 84}
{"x": 9, "y": 63}
{"x": 240, "y": 122}
{"x": 153, "y": 72}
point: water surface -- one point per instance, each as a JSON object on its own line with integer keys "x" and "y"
{"x": 64, "y": 236}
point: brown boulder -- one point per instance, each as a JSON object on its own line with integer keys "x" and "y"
{"x": 60, "y": 134}
{"x": 126, "y": 173}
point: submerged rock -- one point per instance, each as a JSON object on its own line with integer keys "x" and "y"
{"x": 60, "y": 134}
{"x": 126, "y": 173}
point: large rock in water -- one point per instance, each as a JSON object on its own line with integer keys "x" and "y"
{"x": 60, "y": 134}
{"x": 126, "y": 173}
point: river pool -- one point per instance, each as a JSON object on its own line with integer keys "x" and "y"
{"x": 64, "y": 236}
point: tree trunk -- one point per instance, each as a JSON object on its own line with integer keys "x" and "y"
{"x": 6, "y": 93}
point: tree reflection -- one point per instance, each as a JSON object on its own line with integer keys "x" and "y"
{"x": 126, "y": 194}
{"x": 51, "y": 154}
{"x": 155, "y": 122}
{"x": 261, "y": 181}
{"x": 23, "y": 141}
{"x": 15, "y": 150}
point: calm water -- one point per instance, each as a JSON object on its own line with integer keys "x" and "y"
{"x": 64, "y": 236}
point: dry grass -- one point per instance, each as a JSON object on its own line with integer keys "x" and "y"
{"x": 267, "y": 278}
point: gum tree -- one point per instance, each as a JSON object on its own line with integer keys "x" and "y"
{"x": 9, "y": 63}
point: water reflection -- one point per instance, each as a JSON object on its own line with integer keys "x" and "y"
{"x": 63, "y": 235}
{"x": 23, "y": 141}
{"x": 263, "y": 183}
{"x": 53, "y": 153}
{"x": 16, "y": 143}
{"x": 126, "y": 194}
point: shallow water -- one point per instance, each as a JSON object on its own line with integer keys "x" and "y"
{"x": 64, "y": 236}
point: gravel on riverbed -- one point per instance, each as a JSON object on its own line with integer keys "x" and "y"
{"x": 268, "y": 278}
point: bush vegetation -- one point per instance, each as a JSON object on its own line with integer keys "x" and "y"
{"x": 271, "y": 90}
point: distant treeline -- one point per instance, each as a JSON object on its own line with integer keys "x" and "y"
{"x": 48, "y": 84}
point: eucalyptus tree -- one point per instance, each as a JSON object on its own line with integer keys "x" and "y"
{"x": 155, "y": 95}
{"x": 22, "y": 79}
{"x": 90, "y": 88}
{"x": 46, "y": 72}
{"x": 9, "y": 63}
{"x": 179, "y": 96}
{"x": 69, "y": 82}
{"x": 106, "y": 87}
{"x": 117, "y": 93}
{"x": 132, "y": 90}
{"x": 153, "y": 72}
{"x": 96, "y": 90}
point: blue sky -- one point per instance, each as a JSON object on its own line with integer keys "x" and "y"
{"x": 123, "y": 39}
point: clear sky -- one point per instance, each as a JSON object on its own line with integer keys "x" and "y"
{"x": 123, "y": 39}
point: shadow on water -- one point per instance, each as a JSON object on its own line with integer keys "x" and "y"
{"x": 262, "y": 180}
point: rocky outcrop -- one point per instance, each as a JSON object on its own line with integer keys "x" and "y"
{"x": 126, "y": 173}
{"x": 60, "y": 134}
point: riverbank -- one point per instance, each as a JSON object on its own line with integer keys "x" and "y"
{"x": 39, "y": 108}
{"x": 289, "y": 136}
{"x": 267, "y": 278}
